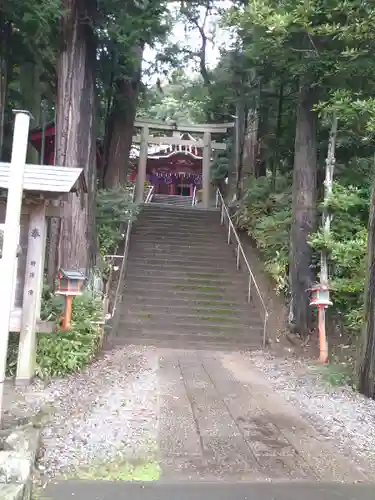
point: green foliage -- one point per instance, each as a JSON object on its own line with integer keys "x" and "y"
{"x": 181, "y": 99}
{"x": 61, "y": 353}
{"x": 266, "y": 215}
{"x": 115, "y": 208}
{"x": 220, "y": 168}
{"x": 66, "y": 352}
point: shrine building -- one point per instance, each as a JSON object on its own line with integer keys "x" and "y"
{"x": 171, "y": 168}
{"x": 176, "y": 163}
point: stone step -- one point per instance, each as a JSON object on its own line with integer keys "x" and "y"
{"x": 191, "y": 294}
{"x": 167, "y": 215}
{"x": 215, "y": 309}
{"x": 180, "y": 241}
{"x": 157, "y": 301}
{"x": 181, "y": 272}
{"x": 177, "y": 234}
{"x": 184, "y": 253}
{"x": 171, "y": 198}
{"x": 156, "y": 339}
{"x": 186, "y": 268}
{"x": 205, "y": 264}
{"x": 173, "y": 214}
{"x": 178, "y": 281}
{"x": 178, "y": 230}
{"x": 190, "y": 330}
{"x": 190, "y": 323}
{"x": 176, "y": 287}
{"x": 188, "y": 316}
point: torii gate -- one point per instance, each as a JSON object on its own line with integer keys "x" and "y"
{"x": 208, "y": 145}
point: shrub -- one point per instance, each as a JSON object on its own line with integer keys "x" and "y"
{"x": 266, "y": 216}
{"x": 61, "y": 353}
{"x": 65, "y": 352}
{"x": 115, "y": 208}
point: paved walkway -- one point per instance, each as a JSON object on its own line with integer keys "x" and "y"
{"x": 195, "y": 415}
{"x": 204, "y": 418}
{"x": 296, "y": 491}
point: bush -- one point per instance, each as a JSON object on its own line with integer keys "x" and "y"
{"x": 61, "y": 353}
{"x": 65, "y": 352}
{"x": 266, "y": 216}
{"x": 115, "y": 208}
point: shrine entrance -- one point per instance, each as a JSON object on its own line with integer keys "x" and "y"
{"x": 177, "y": 162}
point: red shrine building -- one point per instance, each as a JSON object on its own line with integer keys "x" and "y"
{"x": 171, "y": 168}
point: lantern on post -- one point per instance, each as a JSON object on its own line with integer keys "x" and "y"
{"x": 320, "y": 299}
{"x": 69, "y": 284}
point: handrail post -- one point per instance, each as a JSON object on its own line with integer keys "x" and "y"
{"x": 249, "y": 290}
{"x": 225, "y": 215}
{"x": 217, "y": 198}
{"x": 265, "y": 329}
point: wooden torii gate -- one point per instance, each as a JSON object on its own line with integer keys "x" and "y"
{"x": 208, "y": 145}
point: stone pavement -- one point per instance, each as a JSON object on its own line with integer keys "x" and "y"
{"x": 221, "y": 420}
{"x": 84, "y": 490}
{"x": 221, "y": 429}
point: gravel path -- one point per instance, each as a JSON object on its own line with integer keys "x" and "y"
{"x": 109, "y": 412}
{"x": 112, "y": 411}
{"x": 336, "y": 412}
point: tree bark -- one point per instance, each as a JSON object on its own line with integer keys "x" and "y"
{"x": 261, "y": 159}
{"x": 76, "y": 134}
{"x": 31, "y": 99}
{"x": 276, "y": 155}
{"x": 5, "y": 36}
{"x": 120, "y": 134}
{"x": 120, "y": 125}
{"x": 303, "y": 211}
{"x": 366, "y": 365}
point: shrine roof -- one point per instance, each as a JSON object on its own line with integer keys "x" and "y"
{"x": 159, "y": 151}
{"x": 47, "y": 178}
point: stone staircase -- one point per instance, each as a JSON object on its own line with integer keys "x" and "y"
{"x": 176, "y": 201}
{"x": 182, "y": 287}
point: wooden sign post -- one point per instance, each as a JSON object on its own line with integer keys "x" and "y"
{"x": 10, "y": 243}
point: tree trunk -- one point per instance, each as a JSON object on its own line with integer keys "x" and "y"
{"x": 276, "y": 155}
{"x": 120, "y": 126}
{"x": 120, "y": 134}
{"x": 261, "y": 159}
{"x": 303, "y": 211}
{"x": 5, "y": 32}
{"x": 31, "y": 99}
{"x": 76, "y": 135}
{"x": 366, "y": 365}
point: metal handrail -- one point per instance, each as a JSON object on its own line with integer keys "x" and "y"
{"x": 240, "y": 251}
{"x": 150, "y": 194}
{"x": 124, "y": 259}
{"x": 194, "y": 200}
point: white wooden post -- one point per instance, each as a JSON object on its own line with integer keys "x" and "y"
{"x": 206, "y": 164}
{"x": 142, "y": 163}
{"x": 31, "y": 295}
{"x": 12, "y": 222}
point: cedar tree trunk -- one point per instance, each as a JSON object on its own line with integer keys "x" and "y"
{"x": 120, "y": 126}
{"x": 76, "y": 134}
{"x": 303, "y": 211}
{"x": 366, "y": 371}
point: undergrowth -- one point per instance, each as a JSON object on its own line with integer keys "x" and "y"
{"x": 62, "y": 353}
{"x": 265, "y": 213}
